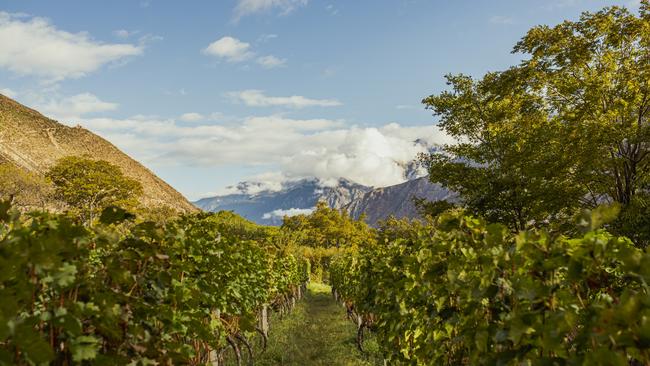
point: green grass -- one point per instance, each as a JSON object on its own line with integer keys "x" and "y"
{"x": 316, "y": 333}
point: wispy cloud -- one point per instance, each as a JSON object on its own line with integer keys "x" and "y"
{"x": 266, "y": 38}
{"x": 257, "y": 98}
{"x": 405, "y": 106}
{"x": 248, "y": 7}
{"x": 501, "y": 19}
{"x": 332, "y": 9}
{"x": 271, "y": 62}
{"x": 8, "y": 92}
{"x": 191, "y": 117}
{"x": 561, "y": 4}
{"x": 123, "y": 33}
{"x": 198, "y": 117}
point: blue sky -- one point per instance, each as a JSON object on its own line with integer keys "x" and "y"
{"x": 210, "y": 93}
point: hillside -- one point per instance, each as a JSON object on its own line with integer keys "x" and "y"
{"x": 34, "y": 142}
{"x": 397, "y": 200}
{"x": 268, "y": 207}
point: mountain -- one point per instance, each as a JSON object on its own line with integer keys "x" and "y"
{"x": 397, "y": 200}
{"x": 34, "y": 142}
{"x": 269, "y": 207}
{"x": 254, "y": 201}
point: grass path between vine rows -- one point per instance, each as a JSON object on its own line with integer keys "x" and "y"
{"x": 316, "y": 333}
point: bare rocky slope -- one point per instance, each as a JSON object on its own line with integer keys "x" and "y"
{"x": 397, "y": 200}
{"x": 34, "y": 142}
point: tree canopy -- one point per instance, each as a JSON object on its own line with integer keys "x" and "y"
{"x": 565, "y": 129}
{"x": 88, "y": 186}
{"x": 327, "y": 227}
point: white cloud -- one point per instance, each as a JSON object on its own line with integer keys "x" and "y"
{"x": 123, "y": 33}
{"x": 330, "y": 71}
{"x": 270, "y": 61}
{"x": 266, "y": 37}
{"x": 289, "y": 213}
{"x": 257, "y": 98}
{"x": 321, "y": 148}
{"x": 230, "y": 49}
{"x": 8, "y": 92}
{"x": 370, "y": 156}
{"x": 265, "y": 182}
{"x": 248, "y": 7}
{"x": 148, "y": 38}
{"x": 192, "y": 117}
{"x": 73, "y": 107}
{"x": 331, "y": 9}
{"x": 33, "y": 46}
{"x": 233, "y": 50}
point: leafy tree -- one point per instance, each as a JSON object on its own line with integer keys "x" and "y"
{"x": 595, "y": 77}
{"x": 88, "y": 186}
{"x": 431, "y": 209}
{"x": 324, "y": 233}
{"x": 501, "y": 167}
{"x": 634, "y": 221}
{"x": 565, "y": 129}
{"x": 327, "y": 227}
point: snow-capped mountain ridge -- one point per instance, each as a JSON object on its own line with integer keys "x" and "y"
{"x": 268, "y": 206}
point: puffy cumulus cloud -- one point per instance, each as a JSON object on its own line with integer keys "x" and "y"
{"x": 72, "y": 107}
{"x": 33, "y": 46}
{"x": 271, "y": 62}
{"x": 233, "y": 50}
{"x": 289, "y": 213}
{"x": 248, "y": 7}
{"x": 296, "y": 148}
{"x": 370, "y": 156}
{"x": 229, "y": 48}
{"x": 257, "y": 98}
